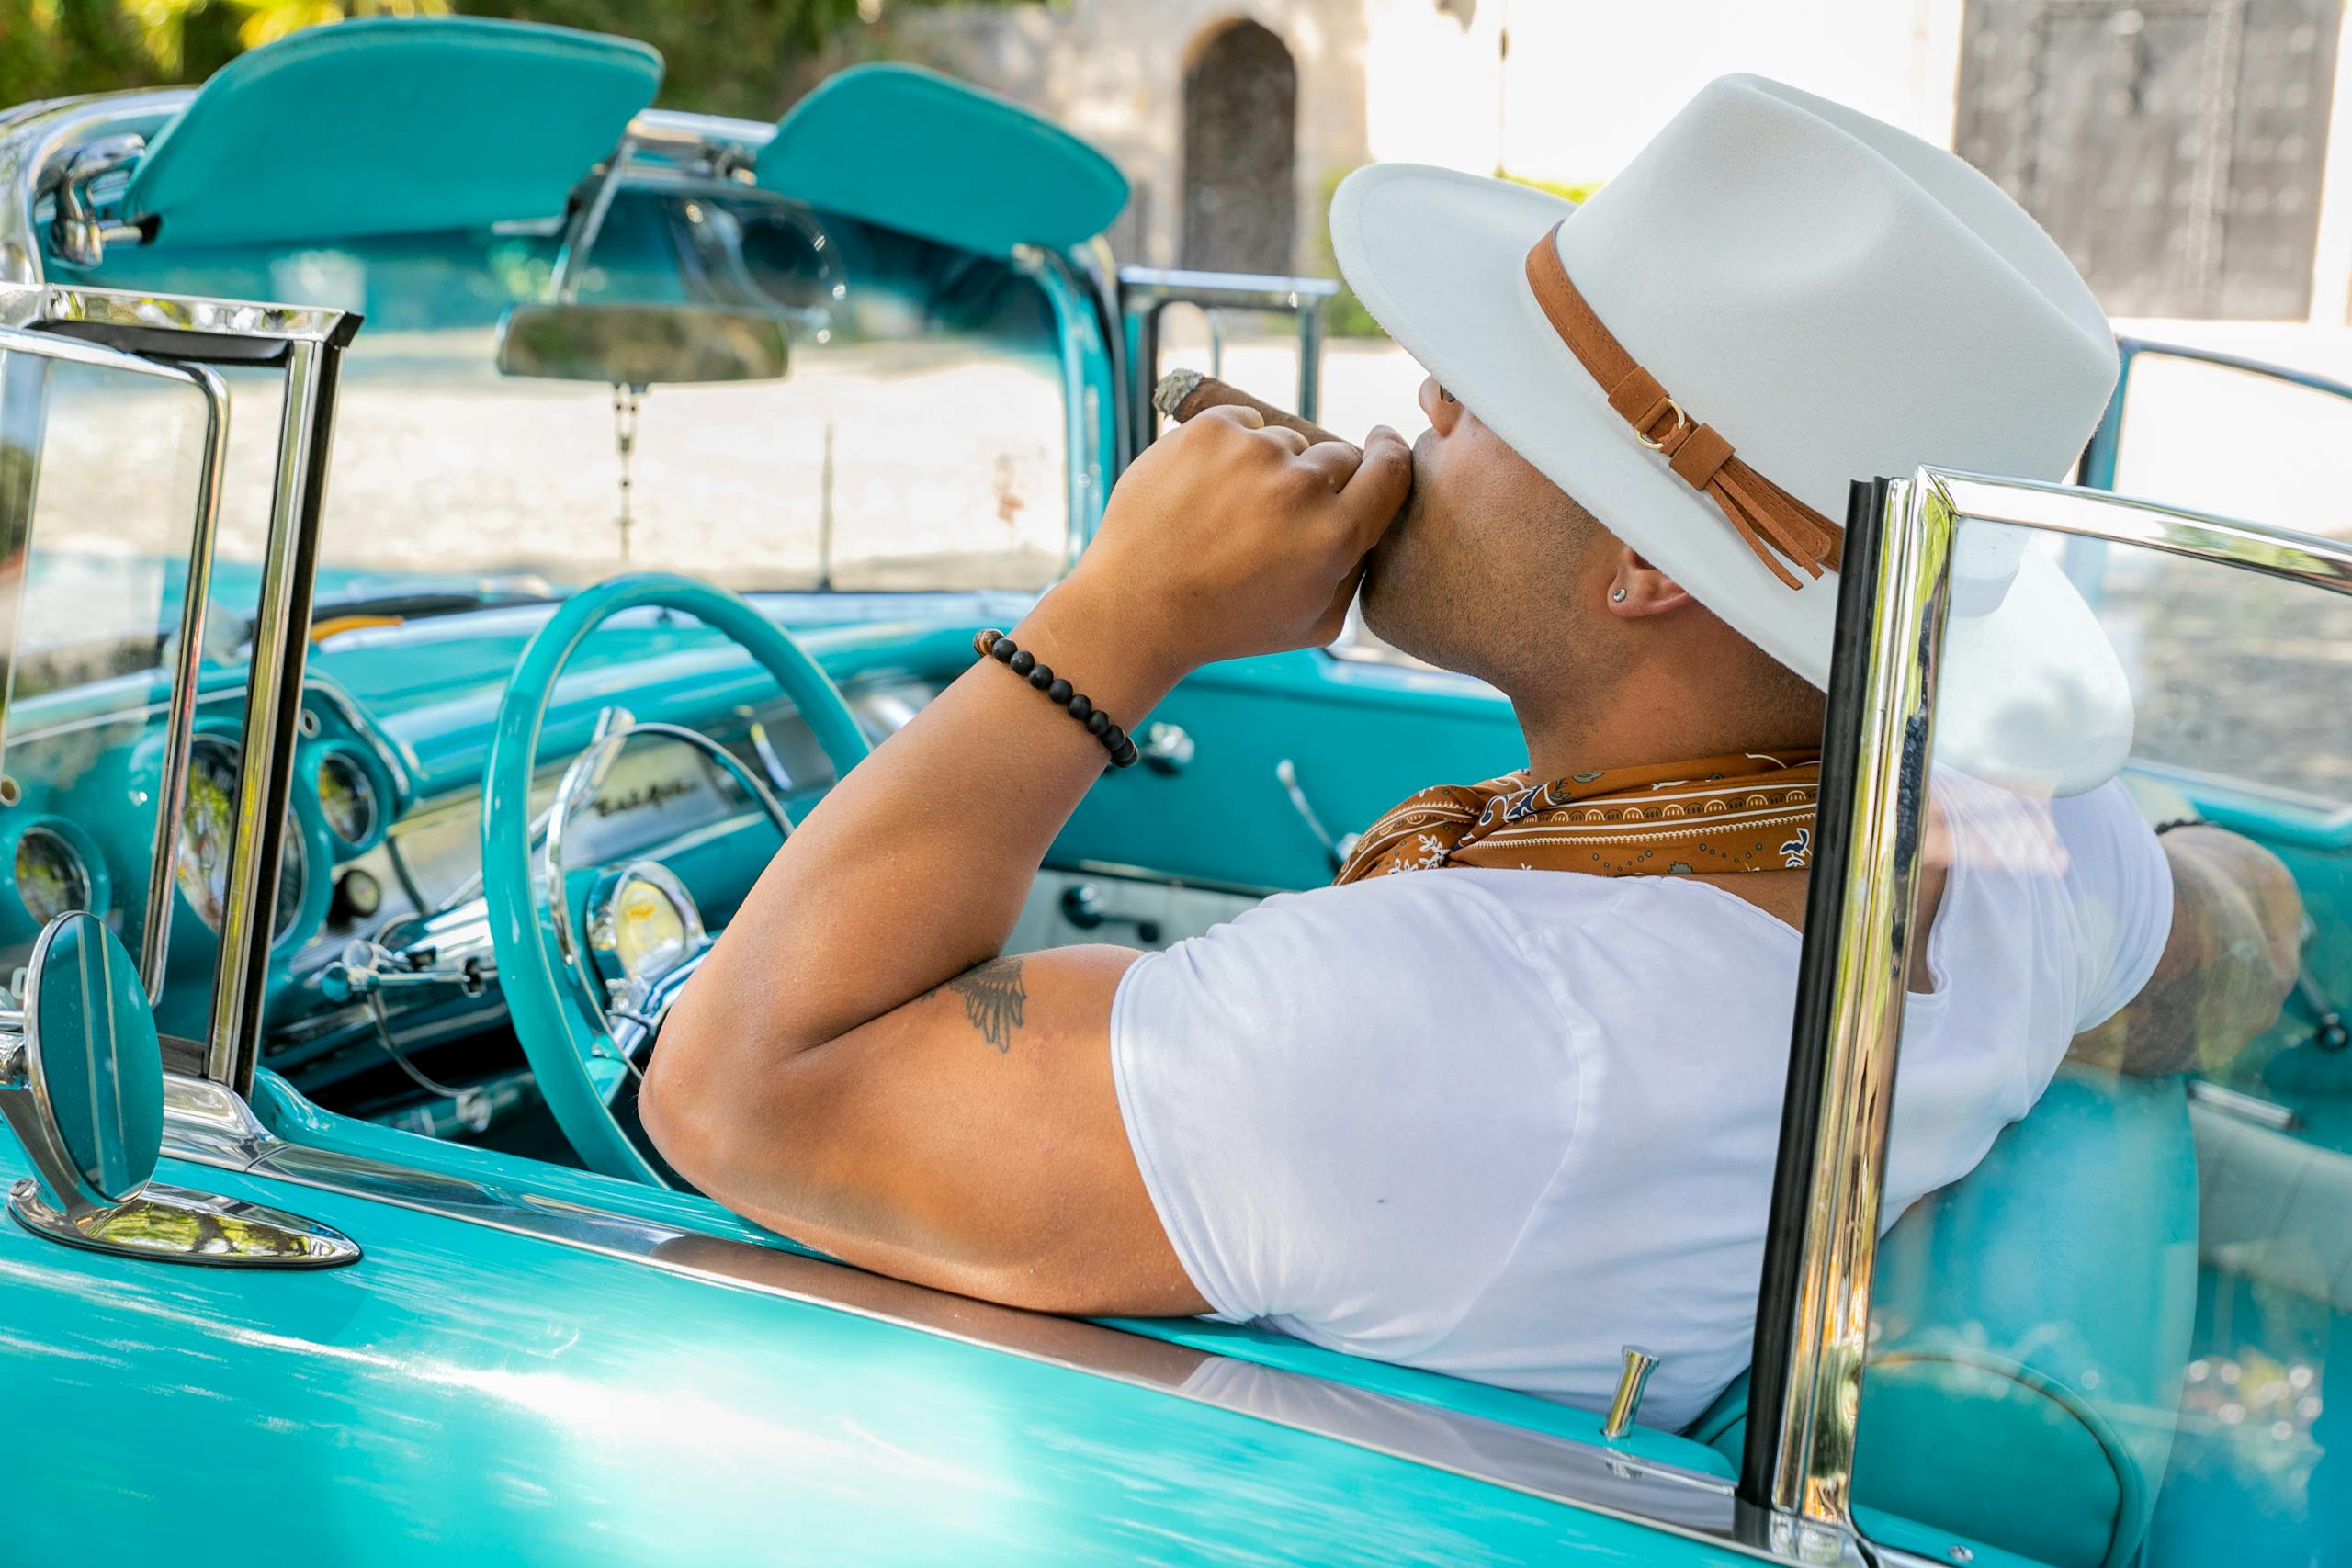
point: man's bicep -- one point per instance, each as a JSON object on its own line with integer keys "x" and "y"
{"x": 972, "y": 1139}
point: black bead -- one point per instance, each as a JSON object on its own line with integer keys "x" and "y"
{"x": 1041, "y": 677}
{"x": 1022, "y": 662}
{"x": 1113, "y": 738}
{"x": 1125, "y": 756}
{"x": 1003, "y": 651}
{"x": 1096, "y": 723}
{"x": 1059, "y": 691}
{"x": 1081, "y": 707}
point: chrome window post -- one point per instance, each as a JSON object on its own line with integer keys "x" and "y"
{"x": 1813, "y": 1311}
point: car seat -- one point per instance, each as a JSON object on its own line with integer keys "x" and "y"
{"x": 2031, "y": 1324}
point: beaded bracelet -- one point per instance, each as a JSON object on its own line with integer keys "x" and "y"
{"x": 997, "y": 646}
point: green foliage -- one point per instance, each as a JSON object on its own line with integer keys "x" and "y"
{"x": 724, "y": 56}
{"x": 1578, "y": 192}
{"x": 1343, "y": 315}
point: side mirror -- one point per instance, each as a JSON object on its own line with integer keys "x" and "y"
{"x": 84, "y": 1089}
{"x": 640, "y": 345}
{"x": 82, "y": 1085}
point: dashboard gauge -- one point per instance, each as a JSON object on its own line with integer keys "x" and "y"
{"x": 208, "y": 826}
{"x": 644, "y": 918}
{"x": 348, "y": 798}
{"x": 52, "y": 876}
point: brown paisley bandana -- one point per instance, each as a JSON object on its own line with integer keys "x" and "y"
{"x": 1751, "y": 811}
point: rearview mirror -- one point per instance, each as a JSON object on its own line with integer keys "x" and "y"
{"x": 82, "y": 1085}
{"x": 640, "y": 345}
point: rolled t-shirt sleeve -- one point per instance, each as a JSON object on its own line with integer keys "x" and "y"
{"x": 1314, "y": 1126}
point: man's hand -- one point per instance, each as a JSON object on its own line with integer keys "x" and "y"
{"x": 1229, "y": 537}
{"x": 2234, "y": 950}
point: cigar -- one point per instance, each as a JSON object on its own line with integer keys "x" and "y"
{"x": 1183, "y": 393}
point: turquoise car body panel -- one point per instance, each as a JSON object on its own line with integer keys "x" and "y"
{"x": 487, "y": 1398}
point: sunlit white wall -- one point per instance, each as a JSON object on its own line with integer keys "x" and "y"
{"x": 1588, "y": 84}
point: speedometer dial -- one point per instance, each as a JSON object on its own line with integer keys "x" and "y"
{"x": 347, "y": 798}
{"x": 51, "y": 875}
{"x": 208, "y": 828}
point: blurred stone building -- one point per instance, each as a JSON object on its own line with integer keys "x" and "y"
{"x": 2178, "y": 149}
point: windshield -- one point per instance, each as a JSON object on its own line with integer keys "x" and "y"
{"x": 916, "y": 441}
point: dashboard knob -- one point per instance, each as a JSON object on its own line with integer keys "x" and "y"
{"x": 357, "y": 897}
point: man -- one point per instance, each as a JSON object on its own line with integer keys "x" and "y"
{"x": 1491, "y": 1120}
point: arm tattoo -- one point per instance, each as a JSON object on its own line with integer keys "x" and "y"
{"x": 993, "y": 996}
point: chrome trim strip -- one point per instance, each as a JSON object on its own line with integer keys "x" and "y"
{"x": 110, "y": 313}
{"x": 179, "y": 726}
{"x": 2176, "y": 530}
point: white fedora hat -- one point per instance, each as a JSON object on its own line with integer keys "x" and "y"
{"x": 1839, "y": 300}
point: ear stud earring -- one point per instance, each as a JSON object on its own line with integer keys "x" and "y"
{"x": 1616, "y": 596}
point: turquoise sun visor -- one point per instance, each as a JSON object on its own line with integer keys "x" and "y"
{"x": 388, "y": 126}
{"x": 927, "y": 155}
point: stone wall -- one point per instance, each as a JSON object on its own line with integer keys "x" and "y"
{"x": 1114, "y": 72}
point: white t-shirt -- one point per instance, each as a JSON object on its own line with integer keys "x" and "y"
{"x": 1502, "y": 1124}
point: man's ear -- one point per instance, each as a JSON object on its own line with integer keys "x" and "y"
{"x": 1637, "y": 587}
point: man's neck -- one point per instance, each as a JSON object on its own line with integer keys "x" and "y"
{"x": 1642, "y": 733}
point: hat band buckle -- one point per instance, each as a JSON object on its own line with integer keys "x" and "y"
{"x": 1682, "y": 423}
{"x": 1782, "y": 531}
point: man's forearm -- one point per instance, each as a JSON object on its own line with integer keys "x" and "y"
{"x": 2227, "y": 965}
{"x": 915, "y": 867}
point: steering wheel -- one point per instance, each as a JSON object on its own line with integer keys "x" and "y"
{"x": 551, "y": 990}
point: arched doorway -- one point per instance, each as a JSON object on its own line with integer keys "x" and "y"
{"x": 1240, "y": 142}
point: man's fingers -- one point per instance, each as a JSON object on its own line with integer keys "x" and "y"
{"x": 1376, "y": 491}
{"x": 1232, "y": 413}
{"x": 1289, "y": 440}
{"x": 1336, "y": 462}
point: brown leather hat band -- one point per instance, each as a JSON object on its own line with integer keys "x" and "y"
{"x": 1774, "y": 523}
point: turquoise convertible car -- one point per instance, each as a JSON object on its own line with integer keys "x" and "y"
{"x": 393, "y": 710}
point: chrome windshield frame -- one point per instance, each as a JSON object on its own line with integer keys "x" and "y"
{"x": 1813, "y": 1313}
{"x": 183, "y": 337}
